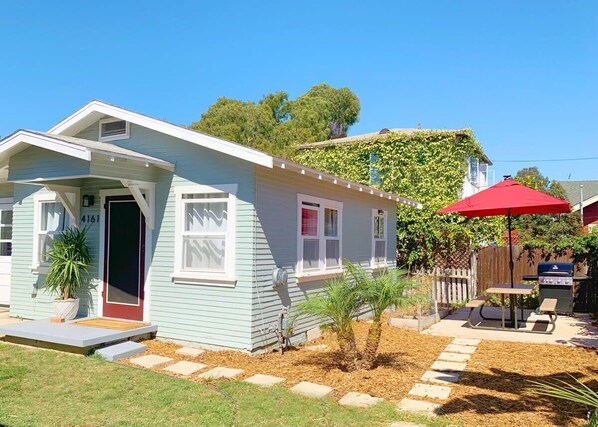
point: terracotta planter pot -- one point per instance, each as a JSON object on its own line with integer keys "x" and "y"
{"x": 67, "y": 309}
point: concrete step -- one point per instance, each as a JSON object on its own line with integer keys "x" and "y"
{"x": 121, "y": 351}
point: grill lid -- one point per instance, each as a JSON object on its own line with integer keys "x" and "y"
{"x": 555, "y": 269}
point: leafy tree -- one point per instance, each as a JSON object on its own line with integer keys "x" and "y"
{"x": 545, "y": 228}
{"x": 275, "y": 124}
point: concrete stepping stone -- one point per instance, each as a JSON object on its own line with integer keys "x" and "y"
{"x": 264, "y": 380}
{"x": 441, "y": 377}
{"x": 466, "y": 341}
{"x": 360, "y": 400}
{"x": 448, "y": 366}
{"x": 463, "y": 349}
{"x": 190, "y": 351}
{"x": 434, "y": 391}
{"x": 121, "y": 351}
{"x": 151, "y": 360}
{"x": 220, "y": 372}
{"x": 419, "y": 407}
{"x": 308, "y": 389}
{"x": 319, "y": 347}
{"x": 454, "y": 357}
{"x": 185, "y": 368}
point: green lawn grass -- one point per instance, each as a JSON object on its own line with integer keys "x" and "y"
{"x": 48, "y": 388}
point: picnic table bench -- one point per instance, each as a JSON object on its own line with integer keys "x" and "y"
{"x": 548, "y": 307}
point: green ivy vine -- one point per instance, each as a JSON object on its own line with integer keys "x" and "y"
{"x": 425, "y": 165}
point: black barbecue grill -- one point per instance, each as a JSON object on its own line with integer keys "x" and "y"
{"x": 555, "y": 280}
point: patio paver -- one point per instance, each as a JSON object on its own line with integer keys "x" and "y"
{"x": 441, "y": 377}
{"x": 151, "y": 360}
{"x": 312, "y": 390}
{"x": 434, "y": 391}
{"x": 221, "y": 372}
{"x": 185, "y": 368}
{"x": 463, "y": 349}
{"x": 454, "y": 357}
{"x": 405, "y": 424}
{"x": 319, "y": 347}
{"x": 419, "y": 407}
{"x": 359, "y": 400}
{"x": 264, "y": 380}
{"x": 190, "y": 351}
{"x": 448, "y": 366}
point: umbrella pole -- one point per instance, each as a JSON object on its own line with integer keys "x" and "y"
{"x": 511, "y": 263}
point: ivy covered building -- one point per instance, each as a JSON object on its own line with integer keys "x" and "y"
{"x": 436, "y": 167}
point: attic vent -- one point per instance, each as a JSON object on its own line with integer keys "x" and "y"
{"x": 113, "y": 129}
{"x": 383, "y": 131}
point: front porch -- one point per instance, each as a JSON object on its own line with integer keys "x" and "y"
{"x": 81, "y": 336}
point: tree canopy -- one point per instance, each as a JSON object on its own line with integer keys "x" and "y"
{"x": 276, "y": 124}
{"x": 547, "y": 229}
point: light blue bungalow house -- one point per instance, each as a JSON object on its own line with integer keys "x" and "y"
{"x": 187, "y": 231}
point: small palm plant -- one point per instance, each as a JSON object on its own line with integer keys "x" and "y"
{"x": 337, "y": 305}
{"x": 576, "y": 392}
{"x": 69, "y": 260}
{"x": 391, "y": 288}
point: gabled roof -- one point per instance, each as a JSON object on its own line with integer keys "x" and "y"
{"x": 70, "y": 146}
{"x": 382, "y": 134}
{"x": 96, "y": 110}
{"x": 574, "y": 191}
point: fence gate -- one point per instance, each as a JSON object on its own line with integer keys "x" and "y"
{"x": 453, "y": 285}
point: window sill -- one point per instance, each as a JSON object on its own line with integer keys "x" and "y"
{"x": 319, "y": 275}
{"x": 193, "y": 279}
{"x": 40, "y": 269}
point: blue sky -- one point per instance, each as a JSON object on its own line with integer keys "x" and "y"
{"x": 522, "y": 74}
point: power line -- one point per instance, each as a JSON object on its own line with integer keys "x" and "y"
{"x": 573, "y": 159}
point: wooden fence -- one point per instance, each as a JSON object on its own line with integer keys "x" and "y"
{"x": 453, "y": 285}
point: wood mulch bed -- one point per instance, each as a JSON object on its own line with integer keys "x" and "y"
{"x": 404, "y": 357}
{"x": 492, "y": 390}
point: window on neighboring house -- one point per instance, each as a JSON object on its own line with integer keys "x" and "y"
{"x": 205, "y": 226}
{"x": 6, "y": 232}
{"x": 113, "y": 129}
{"x": 379, "y": 232}
{"x": 474, "y": 169}
{"x": 320, "y": 242}
{"x": 51, "y": 219}
{"x": 375, "y": 175}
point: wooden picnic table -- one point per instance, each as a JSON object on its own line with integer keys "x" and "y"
{"x": 515, "y": 291}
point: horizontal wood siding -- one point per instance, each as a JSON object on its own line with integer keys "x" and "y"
{"x": 276, "y": 242}
{"x": 209, "y": 315}
{"x": 36, "y": 163}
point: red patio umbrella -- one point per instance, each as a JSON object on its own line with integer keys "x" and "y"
{"x": 508, "y": 197}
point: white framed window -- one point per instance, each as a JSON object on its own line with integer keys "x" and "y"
{"x": 319, "y": 235}
{"x": 50, "y": 218}
{"x": 5, "y": 230}
{"x": 379, "y": 237}
{"x": 113, "y": 129}
{"x": 205, "y": 234}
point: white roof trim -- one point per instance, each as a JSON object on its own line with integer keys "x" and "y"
{"x": 10, "y": 146}
{"x": 586, "y": 202}
{"x": 355, "y": 186}
{"x": 220, "y": 145}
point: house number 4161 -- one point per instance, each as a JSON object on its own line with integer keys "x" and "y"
{"x": 90, "y": 218}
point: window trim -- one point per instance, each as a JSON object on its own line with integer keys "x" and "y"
{"x": 126, "y": 135}
{"x": 226, "y": 278}
{"x": 376, "y": 213}
{"x": 38, "y": 199}
{"x": 323, "y": 204}
{"x": 6, "y": 204}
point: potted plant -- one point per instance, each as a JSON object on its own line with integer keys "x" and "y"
{"x": 69, "y": 261}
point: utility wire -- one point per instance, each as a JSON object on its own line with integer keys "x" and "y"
{"x": 574, "y": 159}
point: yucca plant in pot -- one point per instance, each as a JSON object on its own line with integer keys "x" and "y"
{"x": 69, "y": 262}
